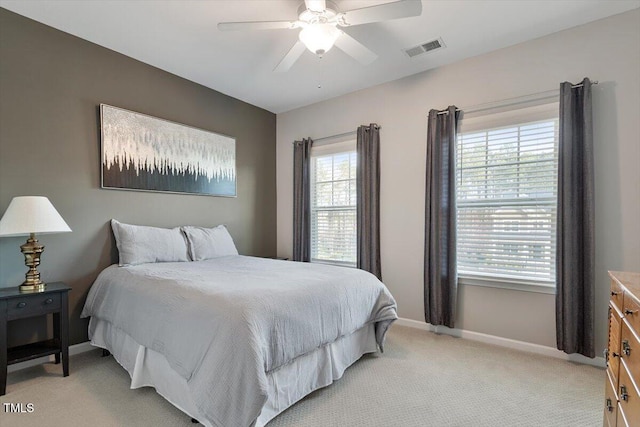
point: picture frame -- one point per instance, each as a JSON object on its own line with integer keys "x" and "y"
{"x": 145, "y": 153}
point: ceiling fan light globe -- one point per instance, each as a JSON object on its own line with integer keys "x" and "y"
{"x": 319, "y": 38}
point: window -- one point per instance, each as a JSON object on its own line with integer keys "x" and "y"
{"x": 506, "y": 197}
{"x": 333, "y": 204}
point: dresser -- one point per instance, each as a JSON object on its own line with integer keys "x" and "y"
{"x": 622, "y": 385}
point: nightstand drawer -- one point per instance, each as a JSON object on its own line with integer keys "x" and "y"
{"x": 32, "y": 305}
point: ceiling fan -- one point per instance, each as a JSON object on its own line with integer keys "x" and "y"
{"x": 319, "y": 21}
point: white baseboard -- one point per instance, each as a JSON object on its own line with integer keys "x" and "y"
{"x": 458, "y": 333}
{"x": 415, "y": 324}
{"x": 73, "y": 350}
{"x": 503, "y": 342}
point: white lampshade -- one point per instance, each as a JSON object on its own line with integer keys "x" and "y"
{"x": 319, "y": 38}
{"x": 31, "y": 214}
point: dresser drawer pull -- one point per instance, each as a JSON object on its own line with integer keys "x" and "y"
{"x": 21, "y": 305}
{"x": 626, "y": 348}
{"x": 623, "y": 393}
{"x": 615, "y": 354}
{"x": 609, "y": 405}
{"x": 627, "y": 311}
{"x": 48, "y": 301}
{"x": 614, "y": 293}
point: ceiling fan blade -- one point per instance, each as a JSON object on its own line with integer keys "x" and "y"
{"x": 316, "y": 5}
{"x": 383, "y": 12}
{"x": 291, "y": 57}
{"x": 355, "y": 49}
{"x": 257, "y": 25}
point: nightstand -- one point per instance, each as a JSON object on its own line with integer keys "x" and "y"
{"x": 16, "y": 305}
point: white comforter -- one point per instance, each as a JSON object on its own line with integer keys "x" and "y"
{"x": 224, "y": 324}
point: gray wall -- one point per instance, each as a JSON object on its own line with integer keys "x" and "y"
{"x": 51, "y": 84}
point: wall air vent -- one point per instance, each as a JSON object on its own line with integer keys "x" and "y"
{"x": 424, "y": 47}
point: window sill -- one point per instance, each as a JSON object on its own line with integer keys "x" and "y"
{"x": 515, "y": 285}
{"x": 336, "y": 263}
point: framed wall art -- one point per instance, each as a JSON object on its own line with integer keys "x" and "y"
{"x": 144, "y": 153}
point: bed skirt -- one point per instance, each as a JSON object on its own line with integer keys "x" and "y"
{"x": 286, "y": 385}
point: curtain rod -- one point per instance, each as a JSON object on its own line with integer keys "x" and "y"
{"x": 340, "y": 135}
{"x": 539, "y": 95}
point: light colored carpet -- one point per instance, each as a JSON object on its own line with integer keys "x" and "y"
{"x": 422, "y": 379}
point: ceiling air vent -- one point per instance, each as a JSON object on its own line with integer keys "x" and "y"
{"x": 425, "y": 47}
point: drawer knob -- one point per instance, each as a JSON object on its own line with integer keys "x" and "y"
{"x": 21, "y": 305}
{"x": 48, "y": 301}
{"x": 627, "y": 311}
{"x": 626, "y": 348}
{"x": 623, "y": 393}
{"x": 614, "y": 293}
{"x": 615, "y": 354}
{"x": 609, "y": 405}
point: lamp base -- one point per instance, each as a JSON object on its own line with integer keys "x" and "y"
{"x": 32, "y": 288}
{"x": 32, "y": 251}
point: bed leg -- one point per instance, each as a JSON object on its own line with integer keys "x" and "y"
{"x": 105, "y": 352}
{"x": 194, "y": 421}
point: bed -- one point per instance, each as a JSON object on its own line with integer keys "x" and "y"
{"x": 236, "y": 340}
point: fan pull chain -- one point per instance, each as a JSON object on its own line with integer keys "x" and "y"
{"x": 319, "y": 68}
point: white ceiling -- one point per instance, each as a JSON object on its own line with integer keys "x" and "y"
{"x": 181, "y": 37}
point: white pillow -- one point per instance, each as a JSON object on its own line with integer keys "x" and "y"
{"x": 138, "y": 244}
{"x": 207, "y": 243}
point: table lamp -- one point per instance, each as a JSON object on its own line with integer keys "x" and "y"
{"x": 26, "y": 216}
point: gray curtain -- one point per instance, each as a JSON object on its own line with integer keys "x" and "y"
{"x": 368, "y": 195}
{"x": 301, "y": 200}
{"x": 575, "y": 245}
{"x": 440, "y": 276}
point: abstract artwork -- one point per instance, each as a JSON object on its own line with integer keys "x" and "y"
{"x": 141, "y": 152}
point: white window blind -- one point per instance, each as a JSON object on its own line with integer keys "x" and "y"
{"x": 506, "y": 197}
{"x": 333, "y": 204}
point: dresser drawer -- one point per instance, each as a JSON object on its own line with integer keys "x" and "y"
{"x": 631, "y": 311}
{"x": 617, "y": 294}
{"x": 613, "y": 353}
{"x": 629, "y": 398}
{"x": 32, "y": 305}
{"x": 630, "y": 351}
{"x": 610, "y": 403}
